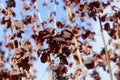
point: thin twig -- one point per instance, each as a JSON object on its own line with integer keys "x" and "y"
{"x": 39, "y": 15}
{"x": 118, "y": 39}
{"x": 34, "y": 23}
{"x": 69, "y": 15}
{"x": 55, "y": 6}
{"x": 48, "y": 12}
{"x": 106, "y": 51}
{"x": 80, "y": 57}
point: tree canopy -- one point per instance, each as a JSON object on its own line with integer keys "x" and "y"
{"x": 63, "y": 38}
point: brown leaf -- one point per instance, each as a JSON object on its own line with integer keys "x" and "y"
{"x": 13, "y": 36}
{"x": 87, "y": 49}
{"x": 81, "y": 7}
{"x": 3, "y": 11}
{"x": 112, "y": 33}
{"x": 89, "y": 64}
{"x": 103, "y": 55}
{"x": 24, "y": 64}
{"x": 119, "y": 15}
{"x": 63, "y": 59}
{"x": 54, "y": 46}
{"x": 95, "y": 75}
{"x": 75, "y": 1}
{"x": 85, "y": 34}
{"x": 76, "y": 58}
{"x": 11, "y": 3}
{"x": 66, "y": 51}
{"x": 39, "y": 52}
{"x": 5, "y": 19}
{"x": 16, "y": 43}
{"x": 9, "y": 45}
{"x": 61, "y": 69}
{"x": 19, "y": 33}
{"x": 91, "y": 36}
{"x": 60, "y": 24}
{"x": 105, "y": 4}
{"x": 26, "y": 6}
{"x": 44, "y": 57}
{"x": 66, "y": 34}
{"x": 107, "y": 26}
{"x": 94, "y": 4}
{"x": 78, "y": 72}
{"x": 76, "y": 29}
{"x": 103, "y": 18}
{"x": 117, "y": 75}
{"x": 33, "y": 1}
{"x": 72, "y": 76}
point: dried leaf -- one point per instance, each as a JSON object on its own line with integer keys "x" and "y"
{"x": 44, "y": 57}
{"x": 85, "y": 34}
{"x": 9, "y": 45}
{"x": 60, "y": 24}
{"x": 11, "y": 3}
{"x": 107, "y": 26}
{"x": 87, "y": 49}
{"x": 24, "y": 63}
{"x": 76, "y": 58}
{"x": 103, "y": 18}
{"x": 112, "y": 33}
{"x": 66, "y": 34}
{"x": 95, "y": 75}
{"x": 89, "y": 64}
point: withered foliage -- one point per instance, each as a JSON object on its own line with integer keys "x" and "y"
{"x": 64, "y": 43}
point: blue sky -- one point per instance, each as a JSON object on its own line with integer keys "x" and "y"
{"x": 40, "y": 67}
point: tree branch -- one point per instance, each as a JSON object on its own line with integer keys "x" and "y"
{"x": 106, "y": 51}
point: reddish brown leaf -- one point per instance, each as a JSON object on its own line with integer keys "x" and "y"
{"x": 117, "y": 75}
{"x": 5, "y": 19}
{"x": 60, "y": 24}
{"x": 103, "y": 18}
{"x": 11, "y": 3}
{"x": 76, "y": 58}
{"x": 19, "y": 33}
{"x": 9, "y": 45}
{"x": 95, "y": 4}
{"x": 87, "y": 49}
{"x": 39, "y": 52}
{"x": 89, "y": 64}
{"x": 63, "y": 59}
{"x": 44, "y": 57}
{"x": 119, "y": 15}
{"x": 3, "y": 11}
{"x": 91, "y": 36}
{"x": 66, "y": 51}
{"x": 112, "y": 33}
{"x": 81, "y": 7}
{"x": 85, "y": 34}
{"x": 107, "y": 26}
{"x": 33, "y": 1}
{"x": 95, "y": 75}
{"x": 25, "y": 64}
{"x": 76, "y": 29}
